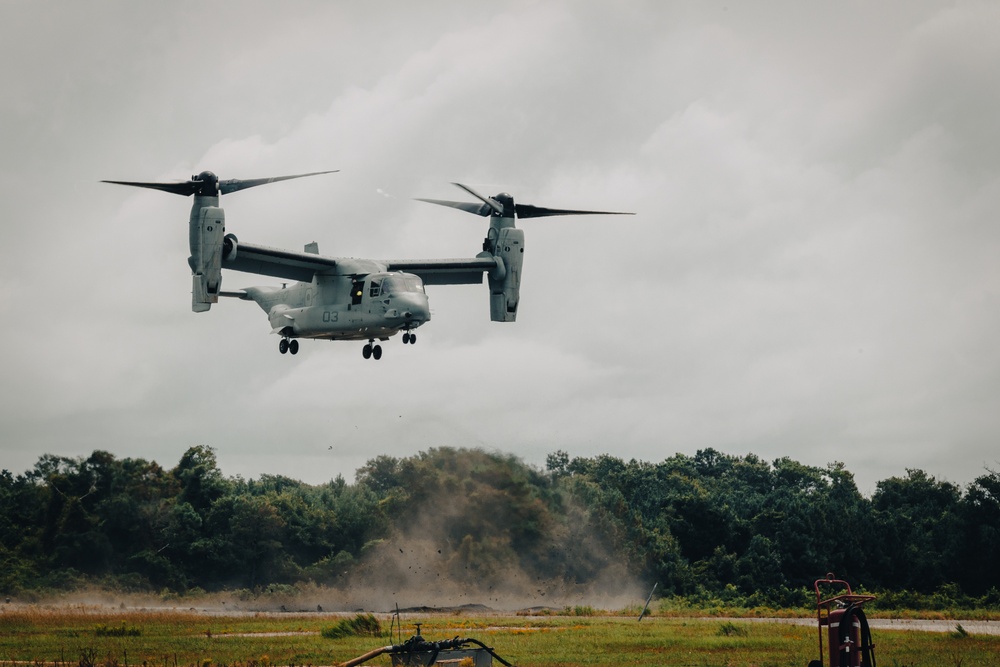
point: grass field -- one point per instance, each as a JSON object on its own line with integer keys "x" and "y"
{"x": 87, "y": 636}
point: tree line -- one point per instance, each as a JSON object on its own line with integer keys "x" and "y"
{"x": 709, "y": 527}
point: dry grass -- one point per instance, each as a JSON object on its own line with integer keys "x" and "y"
{"x": 69, "y": 636}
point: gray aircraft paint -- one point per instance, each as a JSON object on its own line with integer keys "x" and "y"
{"x": 338, "y": 298}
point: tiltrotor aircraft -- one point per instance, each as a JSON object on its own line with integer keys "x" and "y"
{"x": 337, "y": 298}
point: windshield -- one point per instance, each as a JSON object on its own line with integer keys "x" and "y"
{"x": 399, "y": 283}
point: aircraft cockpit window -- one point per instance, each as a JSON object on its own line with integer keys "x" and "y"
{"x": 414, "y": 284}
{"x": 401, "y": 284}
{"x": 375, "y": 289}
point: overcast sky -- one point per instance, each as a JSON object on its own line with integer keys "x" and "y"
{"x": 813, "y": 270}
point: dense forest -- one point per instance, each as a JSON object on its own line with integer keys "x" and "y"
{"x": 716, "y": 527}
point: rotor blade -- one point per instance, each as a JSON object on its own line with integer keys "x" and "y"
{"x": 235, "y": 184}
{"x": 529, "y": 211}
{"x": 186, "y": 188}
{"x": 489, "y": 201}
{"x": 478, "y": 209}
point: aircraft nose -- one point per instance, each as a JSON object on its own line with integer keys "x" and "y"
{"x": 416, "y": 308}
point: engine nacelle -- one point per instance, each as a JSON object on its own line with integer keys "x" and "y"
{"x": 229, "y": 245}
{"x": 505, "y": 286}
{"x": 207, "y": 240}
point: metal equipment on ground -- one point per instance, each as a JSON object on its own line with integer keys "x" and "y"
{"x": 848, "y": 637}
{"x": 418, "y": 652}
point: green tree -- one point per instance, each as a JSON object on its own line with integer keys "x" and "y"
{"x": 979, "y": 553}
{"x": 201, "y": 481}
{"x": 255, "y": 533}
{"x": 917, "y": 518}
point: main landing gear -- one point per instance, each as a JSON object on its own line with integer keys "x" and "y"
{"x": 288, "y": 346}
{"x": 371, "y": 350}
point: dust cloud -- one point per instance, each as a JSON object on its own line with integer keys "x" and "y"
{"x": 450, "y": 554}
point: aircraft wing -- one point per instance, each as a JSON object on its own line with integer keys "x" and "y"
{"x": 302, "y": 266}
{"x": 279, "y": 263}
{"x": 445, "y": 271}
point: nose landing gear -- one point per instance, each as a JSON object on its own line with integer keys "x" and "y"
{"x": 288, "y": 346}
{"x": 371, "y": 350}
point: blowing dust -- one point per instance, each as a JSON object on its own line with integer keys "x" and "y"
{"x": 469, "y": 550}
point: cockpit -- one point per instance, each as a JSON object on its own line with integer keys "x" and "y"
{"x": 396, "y": 283}
{"x": 397, "y": 298}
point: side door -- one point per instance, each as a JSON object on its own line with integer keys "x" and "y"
{"x": 377, "y": 297}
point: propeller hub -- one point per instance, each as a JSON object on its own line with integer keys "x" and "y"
{"x": 206, "y": 183}
{"x": 507, "y": 202}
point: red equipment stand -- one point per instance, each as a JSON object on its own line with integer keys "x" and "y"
{"x": 849, "y": 639}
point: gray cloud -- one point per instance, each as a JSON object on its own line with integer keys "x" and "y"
{"x": 811, "y": 274}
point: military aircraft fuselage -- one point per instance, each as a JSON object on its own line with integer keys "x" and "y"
{"x": 353, "y": 299}
{"x": 355, "y": 306}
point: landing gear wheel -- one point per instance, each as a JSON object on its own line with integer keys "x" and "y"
{"x": 283, "y": 346}
{"x": 293, "y": 346}
{"x": 406, "y": 338}
{"x": 366, "y": 351}
{"x": 377, "y": 352}
{"x": 413, "y": 339}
